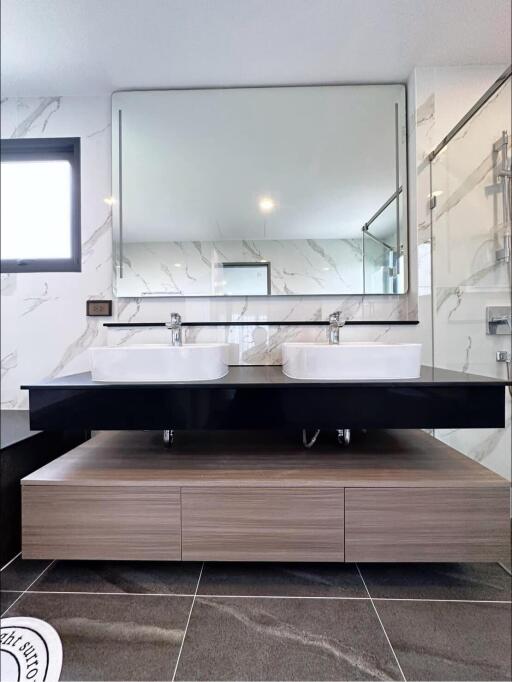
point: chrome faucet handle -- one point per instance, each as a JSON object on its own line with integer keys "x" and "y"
{"x": 174, "y": 325}
{"x": 336, "y": 319}
{"x": 336, "y": 322}
{"x": 174, "y": 322}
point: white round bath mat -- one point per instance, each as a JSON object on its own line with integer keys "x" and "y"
{"x": 31, "y": 651}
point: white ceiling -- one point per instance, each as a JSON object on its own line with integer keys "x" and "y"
{"x": 87, "y": 47}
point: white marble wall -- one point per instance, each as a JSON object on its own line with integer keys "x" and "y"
{"x": 45, "y": 332}
{"x": 466, "y": 276}
{"x": 44, "y": 328}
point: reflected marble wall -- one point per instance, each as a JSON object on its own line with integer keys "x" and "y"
{"x": 297, "y": 266}
{"x": 45, "y": 332}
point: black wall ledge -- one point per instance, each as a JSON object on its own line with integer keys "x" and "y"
{"x": 265, "y": 323}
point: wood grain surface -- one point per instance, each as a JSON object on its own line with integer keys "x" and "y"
{"x": 421, "y": 524}
{"x": 258, "y": 524}
{"x": 101, "y": 523}
{"x": 382, "y": 458}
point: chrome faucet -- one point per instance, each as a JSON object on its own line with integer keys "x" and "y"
{"x": 336, "y": 322}
{"x": 174, "y": 325}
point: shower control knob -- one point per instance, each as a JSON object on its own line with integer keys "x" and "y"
{"x": 503, "y": 356}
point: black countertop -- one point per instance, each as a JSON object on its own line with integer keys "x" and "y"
{"x": 272, "y": 375}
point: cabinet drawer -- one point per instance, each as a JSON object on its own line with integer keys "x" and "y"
{"x": 427, "y": 524}
{"x": 262, "y": 524}
{"x": 101, "y": 522}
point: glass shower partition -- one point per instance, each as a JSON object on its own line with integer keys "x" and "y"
{"x": 384, "y": 264}
{"x": 471, "y": 262}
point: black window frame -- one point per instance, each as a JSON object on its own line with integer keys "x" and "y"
{"x": 47, "y": 149}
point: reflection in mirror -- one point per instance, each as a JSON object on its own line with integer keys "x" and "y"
{"x": 242, "y": 279}
{"x": 260, "y": 191}
{"x": 383, "y": 265}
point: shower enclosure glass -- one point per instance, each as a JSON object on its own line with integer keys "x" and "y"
{"x": 471, "y": 262}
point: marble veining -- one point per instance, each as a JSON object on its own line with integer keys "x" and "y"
{"x": 34, "y": 302}
{"x": 262, "y": 622}
{"x": 47, "y": 103}
{"x": 9, "y": 362}
{"x": 306, "y": 267}
{"x": 116, "y": 631}
{"x": 252, "y": 630}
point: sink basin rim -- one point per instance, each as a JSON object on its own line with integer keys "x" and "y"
{"x": 303, "y": 367}
{"x": 159, "y": 363}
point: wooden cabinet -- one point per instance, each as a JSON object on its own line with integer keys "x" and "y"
{"x": 262, "y": 524}
{"x": 392, "y": 496}
{"x": 426, "y": 524}
{"x": 101, "y": 522}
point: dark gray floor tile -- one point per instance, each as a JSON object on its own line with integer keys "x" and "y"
{"x": 6, "y": 599}
{"x": 146, "y": 577}
{"x": 437, "y": 581}
{"x": 449, "y": 641}
{"x": 282, "y": 580}
{"x": 285, "y": 639}
{"x": 112, "y": 637}
{"x": 22, "y": 572}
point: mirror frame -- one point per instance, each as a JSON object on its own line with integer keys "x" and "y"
{"x": 403, "y": 232}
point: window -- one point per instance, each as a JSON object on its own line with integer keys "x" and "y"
{"x": 40, "y": 205}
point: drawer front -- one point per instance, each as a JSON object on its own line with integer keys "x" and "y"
{"x": 258, "y": 524}
{"x": 88, "y": 522}
{"x": 427, "y": 524}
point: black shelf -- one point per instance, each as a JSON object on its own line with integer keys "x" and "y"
{"x": 260, "y": 323}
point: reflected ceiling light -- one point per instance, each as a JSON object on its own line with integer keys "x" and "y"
{"x": 110, "y": 201}
{"x": 266, "y": 204}
{"x": 436, "y": 193}
{"x": 177, "y": 265}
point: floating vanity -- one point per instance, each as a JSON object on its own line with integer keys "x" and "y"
{"x": 238, "y": 485}
{"x": 265, "y": 398}
{"x": 393, "y": 496}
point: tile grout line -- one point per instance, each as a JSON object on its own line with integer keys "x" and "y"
{"x": 504, "y": 568}
{"x": 28, "y": 588}
{"x": 381, "y": 624}
{"x": 10, "y": 561}
{"x": 444, "y": 601}
{"x": 259, "y": 596}
{"x": 188, "y": 621}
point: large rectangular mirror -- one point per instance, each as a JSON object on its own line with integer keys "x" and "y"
{"x": 260, "y": 191}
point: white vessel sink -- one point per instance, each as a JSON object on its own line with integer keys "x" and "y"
{"x": 159, "y": 362}
{"x": 357, "y": 361}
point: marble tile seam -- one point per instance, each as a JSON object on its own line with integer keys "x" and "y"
{"x": 382, "y": 625}
{"x": 187, "y": 624}
{"x": 10, "y": 561}
{"x": 258, "y": 596}
{"x": 507, "y": 570}
{"x": 28, "y": 588}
